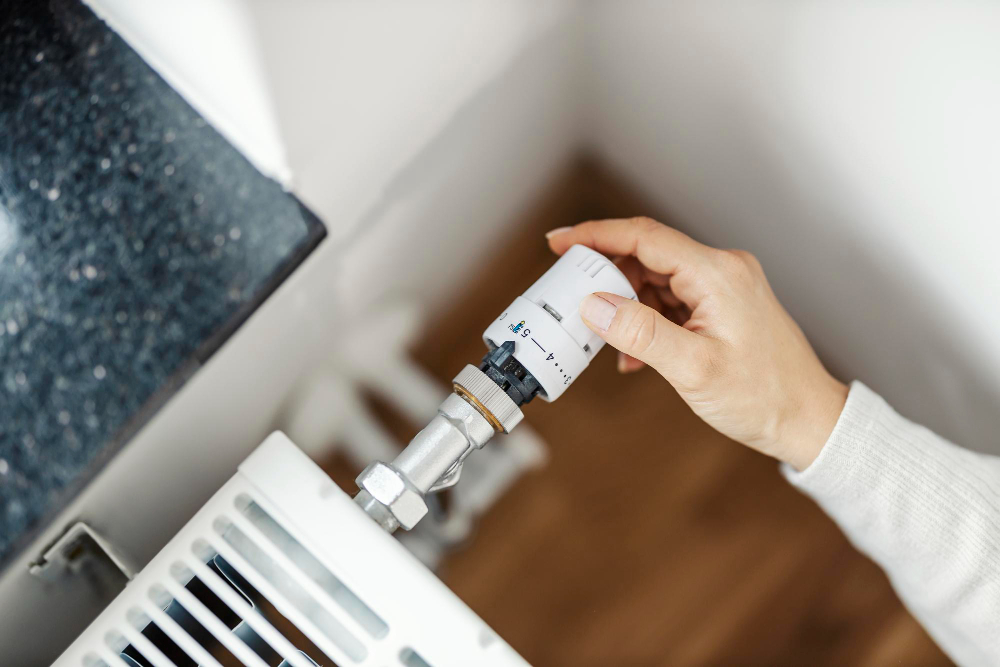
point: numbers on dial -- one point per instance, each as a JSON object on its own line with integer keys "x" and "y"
{"x": 524, "y": 331}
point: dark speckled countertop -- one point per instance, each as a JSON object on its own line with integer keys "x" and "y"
{"x": 133, "y": 240}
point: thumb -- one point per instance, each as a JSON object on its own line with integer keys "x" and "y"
{"x": 640, "y": 331}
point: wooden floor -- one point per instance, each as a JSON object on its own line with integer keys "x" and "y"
{"x": 650, "y": 539}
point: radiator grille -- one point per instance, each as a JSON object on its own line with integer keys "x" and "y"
{"x": 222, "y": 605}
{"x": 259, "y": 578}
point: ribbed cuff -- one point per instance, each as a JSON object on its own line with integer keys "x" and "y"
{"x": 844, "y": 449}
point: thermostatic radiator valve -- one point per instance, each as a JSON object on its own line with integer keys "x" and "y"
{"x": 537, "y": 347}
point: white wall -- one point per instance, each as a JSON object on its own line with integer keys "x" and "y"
{"x": 854, "y": 147}
{"x": 417, "y": 131}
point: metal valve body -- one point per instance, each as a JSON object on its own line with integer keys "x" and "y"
{"x": 393, "y": 493}
{"x": 537, "y": 347}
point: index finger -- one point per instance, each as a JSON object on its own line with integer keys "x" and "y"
{"x": 656, "y": 246}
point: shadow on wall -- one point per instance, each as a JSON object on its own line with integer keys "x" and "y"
{"x": 799, "y": 134}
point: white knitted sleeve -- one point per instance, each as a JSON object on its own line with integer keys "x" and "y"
{"x": 925, "y": 510}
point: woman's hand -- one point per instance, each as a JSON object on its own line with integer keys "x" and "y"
{"x": 711, "y": 326}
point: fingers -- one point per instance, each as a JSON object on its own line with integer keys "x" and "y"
{"x": 627, "y": 364}
{"x": 647, "y": 295}
{"x": 660, "y": 248}
{"x": 653, "y": 289}
{"x": 632, "y": 270}
{"x": 641, "y": 333}
{"x": 668, "y": 298}
{"x": 667, "y": 254}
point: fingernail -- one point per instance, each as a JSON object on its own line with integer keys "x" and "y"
{"x": 621, "y": 362}
{"x": 597, "y": 311}
{"x": 558, "y": 230}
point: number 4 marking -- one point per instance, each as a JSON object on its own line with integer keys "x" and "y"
{"x": 550, "y": 357}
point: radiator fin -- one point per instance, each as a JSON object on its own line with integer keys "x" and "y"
{"x": 280, "y": 568}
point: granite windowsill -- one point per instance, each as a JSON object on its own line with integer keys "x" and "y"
{"x": 133, "y": 241}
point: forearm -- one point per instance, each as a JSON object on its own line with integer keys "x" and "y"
{"x": 927, "y": 511}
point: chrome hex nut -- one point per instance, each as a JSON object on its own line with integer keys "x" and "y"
{"x": 392, "y": 489}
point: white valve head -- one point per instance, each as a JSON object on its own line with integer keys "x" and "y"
{"x": 550, "y": 339}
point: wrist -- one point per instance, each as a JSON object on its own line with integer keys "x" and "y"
{"x": 812, "y": 421}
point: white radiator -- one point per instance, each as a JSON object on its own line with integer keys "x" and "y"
{"x": 281, "y": 567}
